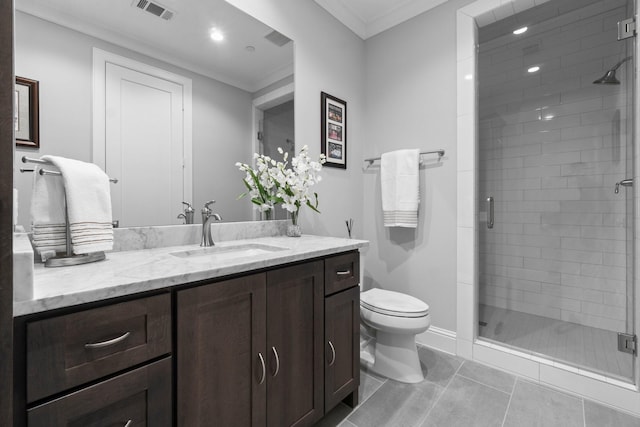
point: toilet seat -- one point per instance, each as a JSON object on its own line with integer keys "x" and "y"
{"x": 396, "y": 304}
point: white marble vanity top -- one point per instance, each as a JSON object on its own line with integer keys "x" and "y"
{"x": 134, "y": 271}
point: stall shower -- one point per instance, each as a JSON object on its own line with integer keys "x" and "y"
{"x": 555, "y": 184}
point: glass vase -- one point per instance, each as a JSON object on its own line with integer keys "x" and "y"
{"x": 294, "y": 229}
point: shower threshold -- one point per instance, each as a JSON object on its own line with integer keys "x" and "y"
{"x": 585, "y": 347}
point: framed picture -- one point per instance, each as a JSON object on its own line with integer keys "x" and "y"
{"x": 26, "y": 120}
{"x": 333, "y": 123}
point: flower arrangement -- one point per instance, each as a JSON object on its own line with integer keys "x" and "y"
{"x": 274, "y": 182}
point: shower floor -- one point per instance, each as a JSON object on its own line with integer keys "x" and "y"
{"x": 582, "y": 346}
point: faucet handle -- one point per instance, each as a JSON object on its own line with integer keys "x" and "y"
{"x": 189, "y": 208}
{"x": 206, "y": 205}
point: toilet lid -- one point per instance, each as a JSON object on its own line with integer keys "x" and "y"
{"x": 393, "y": 303}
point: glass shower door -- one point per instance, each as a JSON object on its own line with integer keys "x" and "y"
{"x": 555, "y": 142}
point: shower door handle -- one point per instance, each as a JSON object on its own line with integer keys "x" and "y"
{"x": 490, "y": 212}
{"x": 625, "y": 183}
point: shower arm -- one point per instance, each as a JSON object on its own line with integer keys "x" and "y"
{"x": 615, "y": 67}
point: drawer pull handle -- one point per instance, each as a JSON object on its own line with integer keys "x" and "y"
{"x": 333, "y": 354}
{"x": 343, "y": 273}
{"x": 128, "y": 424}
{"x": 264, "y": 368}
{"x": 108, "y": 342}
{"x": 275, "y": 353}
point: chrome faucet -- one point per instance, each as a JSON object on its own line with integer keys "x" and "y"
{"x": 187, "y": 215}
{"x": 207, "y": 216}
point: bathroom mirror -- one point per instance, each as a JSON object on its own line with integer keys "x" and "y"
{"x": 241, "y": 98}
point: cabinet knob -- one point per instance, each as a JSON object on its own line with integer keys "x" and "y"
{"x": 264, "y": 368}
{"x": 333, "y": 354}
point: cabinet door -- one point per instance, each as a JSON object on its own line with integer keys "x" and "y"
{"x": 295, "y": 319}
{"x": 221, "y": 337}
{"x": 138, "y": 398}
{"x": 342, "y": 340}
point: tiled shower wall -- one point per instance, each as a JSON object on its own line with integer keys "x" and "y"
{"x": 552, "y": 145}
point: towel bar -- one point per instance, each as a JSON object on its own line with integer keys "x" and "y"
{"x": 68, "y": 258}
{"x": 439, "y": 152}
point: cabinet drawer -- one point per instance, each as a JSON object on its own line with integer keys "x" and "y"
{"x": 341, "y": 272}
{"x": 138, "y": 398}
{"x": 70, "y": 350}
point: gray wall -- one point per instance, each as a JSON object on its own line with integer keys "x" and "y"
{"x": 61, "y": 60}
{"x": 411, "y": 103}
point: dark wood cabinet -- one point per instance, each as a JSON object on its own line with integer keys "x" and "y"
{"x": 221, "y": 353}
{"x": 249, "y": 350}
{"x": 80, "y": 347}
{"x": 342, "y": 340}
{"x": 274, "y": 348}
{"x": 295, "y": 324}
{"x": 138, "y": 398}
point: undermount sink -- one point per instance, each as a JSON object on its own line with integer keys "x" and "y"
{"x": 228, "y": 252}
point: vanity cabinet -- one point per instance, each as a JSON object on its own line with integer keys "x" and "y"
{"x": 249, "y": 350}
{"x": 221, "y": 353}
{"x": 108, "y": 365}
{"x": 342, "y": 330}
{"x": 342, "y": 336}
{"x": 275, "y": 347}
{"x": 138, "y": 398}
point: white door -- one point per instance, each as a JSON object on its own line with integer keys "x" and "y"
{"x": 144, "y": 146}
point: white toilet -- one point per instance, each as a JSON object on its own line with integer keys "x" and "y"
{"x": 397, "y": 318}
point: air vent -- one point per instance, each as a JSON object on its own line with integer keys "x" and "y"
{"x": 154, "y": 8}
{"x": 277, "y": 38}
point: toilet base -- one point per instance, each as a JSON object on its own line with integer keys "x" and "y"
{"x": 396, "y": 357}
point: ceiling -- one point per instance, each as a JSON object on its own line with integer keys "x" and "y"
{"x": 183, "y": 40}
{"x": 367, "y": 18}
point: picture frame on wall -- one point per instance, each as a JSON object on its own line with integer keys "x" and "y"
{"x": 333, "y": 138}
{"x": 26, "y": 114}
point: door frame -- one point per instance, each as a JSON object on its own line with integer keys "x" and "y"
{"x": 100, "y": 59}
{"x": 7, "y": 147}
{"x": 258, "y": 105}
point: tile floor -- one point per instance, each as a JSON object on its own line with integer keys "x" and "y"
{"x": 458, "y": 392}
{"x": 582, "y": 346}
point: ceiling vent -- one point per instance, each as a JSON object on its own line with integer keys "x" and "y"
{"x": 275, "y": 37}
{"x": 154, "y": 8}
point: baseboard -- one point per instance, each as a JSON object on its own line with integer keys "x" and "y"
{"x": 438, "y": 338}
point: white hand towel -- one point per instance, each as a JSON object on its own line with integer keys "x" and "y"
{"x": 400, "y": 181}
{"x": 88, "y": 204}
{"x": 47, "y": 213}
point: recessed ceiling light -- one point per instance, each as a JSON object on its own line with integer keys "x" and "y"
{"x": 216, "y": 35}
{"x": 520, "y": 30}
{"x": 533, "y": 69}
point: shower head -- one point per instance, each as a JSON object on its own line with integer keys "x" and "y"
{"x": 608, "y": 79}
{"x": 610, "y": 76}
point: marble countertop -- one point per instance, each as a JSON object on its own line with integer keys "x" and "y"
{"x": 130, "y": 272}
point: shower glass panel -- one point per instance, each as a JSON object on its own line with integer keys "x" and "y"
{"x": 555, "y": 136}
